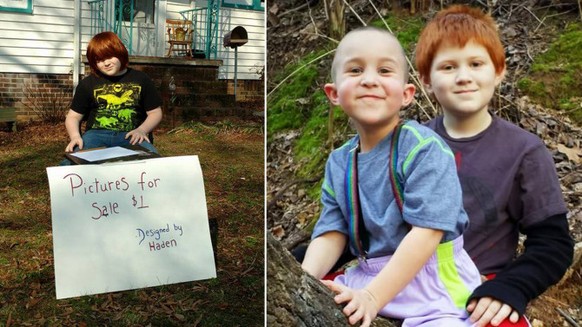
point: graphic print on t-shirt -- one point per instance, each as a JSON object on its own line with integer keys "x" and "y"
{"x": 478, "y": 198}
{"x": 117, "y": 106}
{"x": 479, "y": 202}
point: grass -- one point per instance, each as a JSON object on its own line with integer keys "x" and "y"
{"x": 289, "y": 106}
{"x": 555, "y": 80}
{"x": 231, "y": 155}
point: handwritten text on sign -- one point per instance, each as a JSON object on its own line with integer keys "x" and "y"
{"x": 129, "y": 225}
{"x": 82, "y": 187}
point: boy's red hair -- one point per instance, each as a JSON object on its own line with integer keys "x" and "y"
{"x": 455, "y": 26}
{"x": 103, "y": 46}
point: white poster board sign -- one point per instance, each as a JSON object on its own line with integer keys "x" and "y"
{"x": 129, "y": 225}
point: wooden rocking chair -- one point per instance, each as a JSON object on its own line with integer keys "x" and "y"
{"x": 179, "y": 36}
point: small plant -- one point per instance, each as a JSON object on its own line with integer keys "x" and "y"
{"x": 50, "y": 105}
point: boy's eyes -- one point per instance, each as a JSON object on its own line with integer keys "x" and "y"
{"x": 359, "y": 70}
{"x": 449, "y": 67}
{"x": 385, "y": 70}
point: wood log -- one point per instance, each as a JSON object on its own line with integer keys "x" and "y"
{"x": 295, "y": 298}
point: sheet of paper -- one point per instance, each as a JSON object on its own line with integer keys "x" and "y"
{"x": 104, "y": 154}
{"x": 128, "y": 226}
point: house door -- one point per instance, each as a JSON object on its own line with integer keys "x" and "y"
{"x": 139, "y": 30}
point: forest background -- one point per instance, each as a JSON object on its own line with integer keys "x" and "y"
{"x": 542, "y": 93}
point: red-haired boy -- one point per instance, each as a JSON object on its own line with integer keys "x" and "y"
{"x": 508, "y": 177}
{"x": 121, "y": 105}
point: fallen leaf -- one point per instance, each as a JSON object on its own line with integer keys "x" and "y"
{"x": 179, "y": 316}
{"x": 274, "y": 9}
{"x": 537, "y": 323}
{"x": 278, "y": 232}
{"x": 573, "y": 154}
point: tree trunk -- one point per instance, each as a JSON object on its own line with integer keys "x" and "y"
{"x": 335, "y": 10}
{"x": 294, "y": 298}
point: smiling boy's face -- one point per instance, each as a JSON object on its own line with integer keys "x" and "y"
{"x": 463, "y": 80}
{"x": 369, "y": 79}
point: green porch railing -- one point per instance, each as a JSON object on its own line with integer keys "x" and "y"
{"x": 108, "y": 15}
{"x": 205, "y": 29}
{"x": 117, "y": 16}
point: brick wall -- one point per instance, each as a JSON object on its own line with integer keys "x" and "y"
{"x": 247, "y": 90}
{"x": 198, "y": 92}
{"x": 25, "y": 92}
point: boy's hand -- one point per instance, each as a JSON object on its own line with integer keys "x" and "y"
{"x": 488, "y": 310}
{"x": 137, "y": 136}
{"x": 361, "y": 304}
{"x": 77, "y": 141}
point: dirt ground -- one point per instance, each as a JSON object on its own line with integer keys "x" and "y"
{"x": 527, "y": 29}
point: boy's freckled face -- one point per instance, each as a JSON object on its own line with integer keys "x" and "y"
{"x": 463, "y": 80}
{"x": 369, "y": 83}
{"x": 110, "y": 66}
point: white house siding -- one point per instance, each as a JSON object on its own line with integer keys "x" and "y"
{"x": 251, "y": 56}
{"x": 41, "y": 42}
{"x": 173, "y": 8}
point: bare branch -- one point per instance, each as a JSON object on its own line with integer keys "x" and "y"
{"x": 568, "y": 318}
{"x": 306, "y": 4}
{"x": 536, "y": 17}
{"x": 355, "y": 13}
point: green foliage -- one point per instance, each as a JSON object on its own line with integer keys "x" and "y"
{"x": 311, "y": 145}
{"x": 556, "y": 75}
{"x": 534, "y": 88}
{"x": 287, "y": 110}
{"x": 300, "y": 103}
{"x": 406, "y": 31}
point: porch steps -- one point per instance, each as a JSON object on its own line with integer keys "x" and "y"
{"x": 190, "y": 88}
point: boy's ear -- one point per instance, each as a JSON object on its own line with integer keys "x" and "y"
{"x": 331, "y": 92}
{"x": 425, "y": 84}
{"x": 408, "y": 92}
{"x": 499, "y": 77}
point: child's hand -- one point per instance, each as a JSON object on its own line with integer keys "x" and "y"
{"x": 77, "y": 141}
{"x": 361, "y": 304}
{"x": 490, "y": 311}
{"x": 137, "y": 136}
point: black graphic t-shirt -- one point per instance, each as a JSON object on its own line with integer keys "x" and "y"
{"x": 117, "y": 103}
